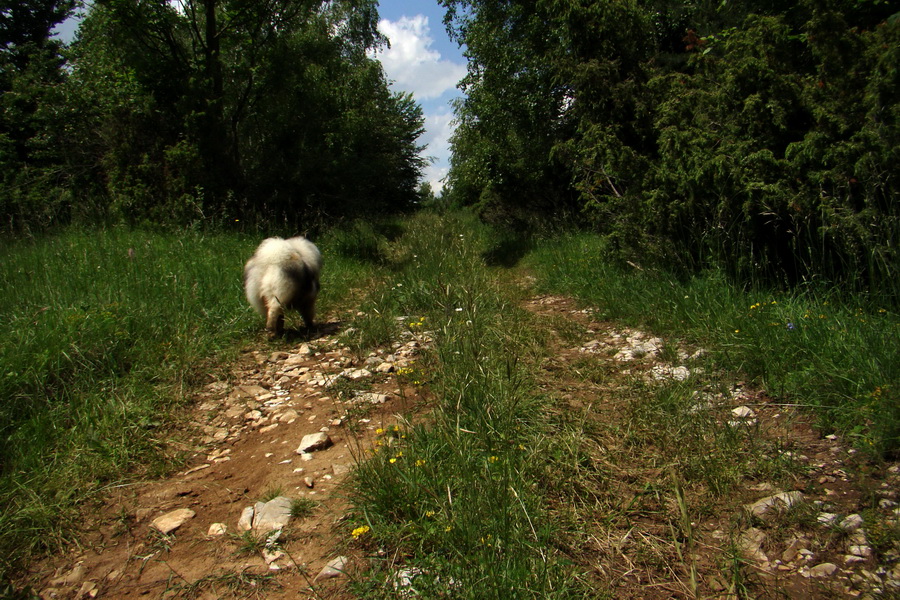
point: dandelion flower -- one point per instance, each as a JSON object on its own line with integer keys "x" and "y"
{"x": 360, "y": 531}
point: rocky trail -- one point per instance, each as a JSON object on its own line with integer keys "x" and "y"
{"x": 260, "y": 510}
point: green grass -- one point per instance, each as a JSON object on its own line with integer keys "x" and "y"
{"x": 835, "y": 354}
{"x": 103, "y": 334}
{"x": 458, "y": 498}
{"x": 494, "y": 491}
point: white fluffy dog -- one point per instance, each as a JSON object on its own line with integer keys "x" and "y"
{"x": 282, "y": 275}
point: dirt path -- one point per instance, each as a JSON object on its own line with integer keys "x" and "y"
{"x": 249, "y": 430}
{"x": 639, "y": 531}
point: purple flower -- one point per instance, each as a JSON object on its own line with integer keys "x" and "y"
{"x": 790, "y": 326}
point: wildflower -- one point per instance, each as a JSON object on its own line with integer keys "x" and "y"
{"x": 420, "y": 462}
{"x": 360, "y": 531}
{"x": 429, "y": 513}
{"x": 493, "y": 459}
{"x": 393, "y": 460}
{"x": 737, "y": 330}
{"x": 790, "y": 326}
{"x": 379, "y": 431}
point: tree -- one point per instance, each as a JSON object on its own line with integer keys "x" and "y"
{"x": 757, "y": 137}
{"x": 243, "y": 109}
{"x": 30, "y": 78}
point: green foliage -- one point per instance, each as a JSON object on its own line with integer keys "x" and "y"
{"x": 32, "y": 189}
{"x": 227, "y": 112}
{"x": 753, "y": 137}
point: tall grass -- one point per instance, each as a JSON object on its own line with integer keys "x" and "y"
{"x": 102, "y": 335}
{"x": 836, "y": 354}
{"x": 457, "y": 498}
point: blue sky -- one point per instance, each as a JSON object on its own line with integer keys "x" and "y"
{"x": 421, "y": 60}
{"x": 424, "y": 61}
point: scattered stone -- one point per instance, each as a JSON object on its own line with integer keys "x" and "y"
{"x": 197, "y": 468}
{"x": 664, "y": 372}
{"x": 822, "y": 570}
{"x": 271, "y": 555}
{"x": 793, "y": 549}
{"x": 851, "y": 523}
{"x": 310, "y": 483}
{"x": 371, "y": 397}
{"x": 339, "y": 470}
{"x": 335, "y": 568}
{"x": 245, "y": 523}
{"x": 743, "y": 412}
{"x": 356, "y": 373}
{"x": 772, "y": 504}
{"x": 827, "y": 519}
{"x": 217, "y": 529}
{"x": 70, "y": 578}
{"x": 313, "y": 442}
{"x": 750, "y": 544}
{"x": 403, "y": 581}
{"x": 88, "y": 590}
{"x": 171, "y": 521}
{"x": 271, "y": 515}
{"x": 288, "y": 416}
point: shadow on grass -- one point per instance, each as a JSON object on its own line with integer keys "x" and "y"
{"x": 508, "y": 250}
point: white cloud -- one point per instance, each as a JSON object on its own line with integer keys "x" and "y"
{"x": 434, "y": 175}
{"x": 412, "y": 64}
{"x": 438, "y": 129}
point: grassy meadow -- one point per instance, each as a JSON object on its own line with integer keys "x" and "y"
{"x": 493, "y": 490}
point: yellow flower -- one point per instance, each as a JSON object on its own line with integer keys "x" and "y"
{"x": 429, "y": 513}
{"x": 393, "y": 460}
{"x": 737, "y": 330}
{"x": 493, "y": 459}
{"x": 360, "y": 531}
{"x": 420, "y": 462}
{"x": 379, "y": 431}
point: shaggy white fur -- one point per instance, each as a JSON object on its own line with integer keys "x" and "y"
{"x": 283, "y": 275}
